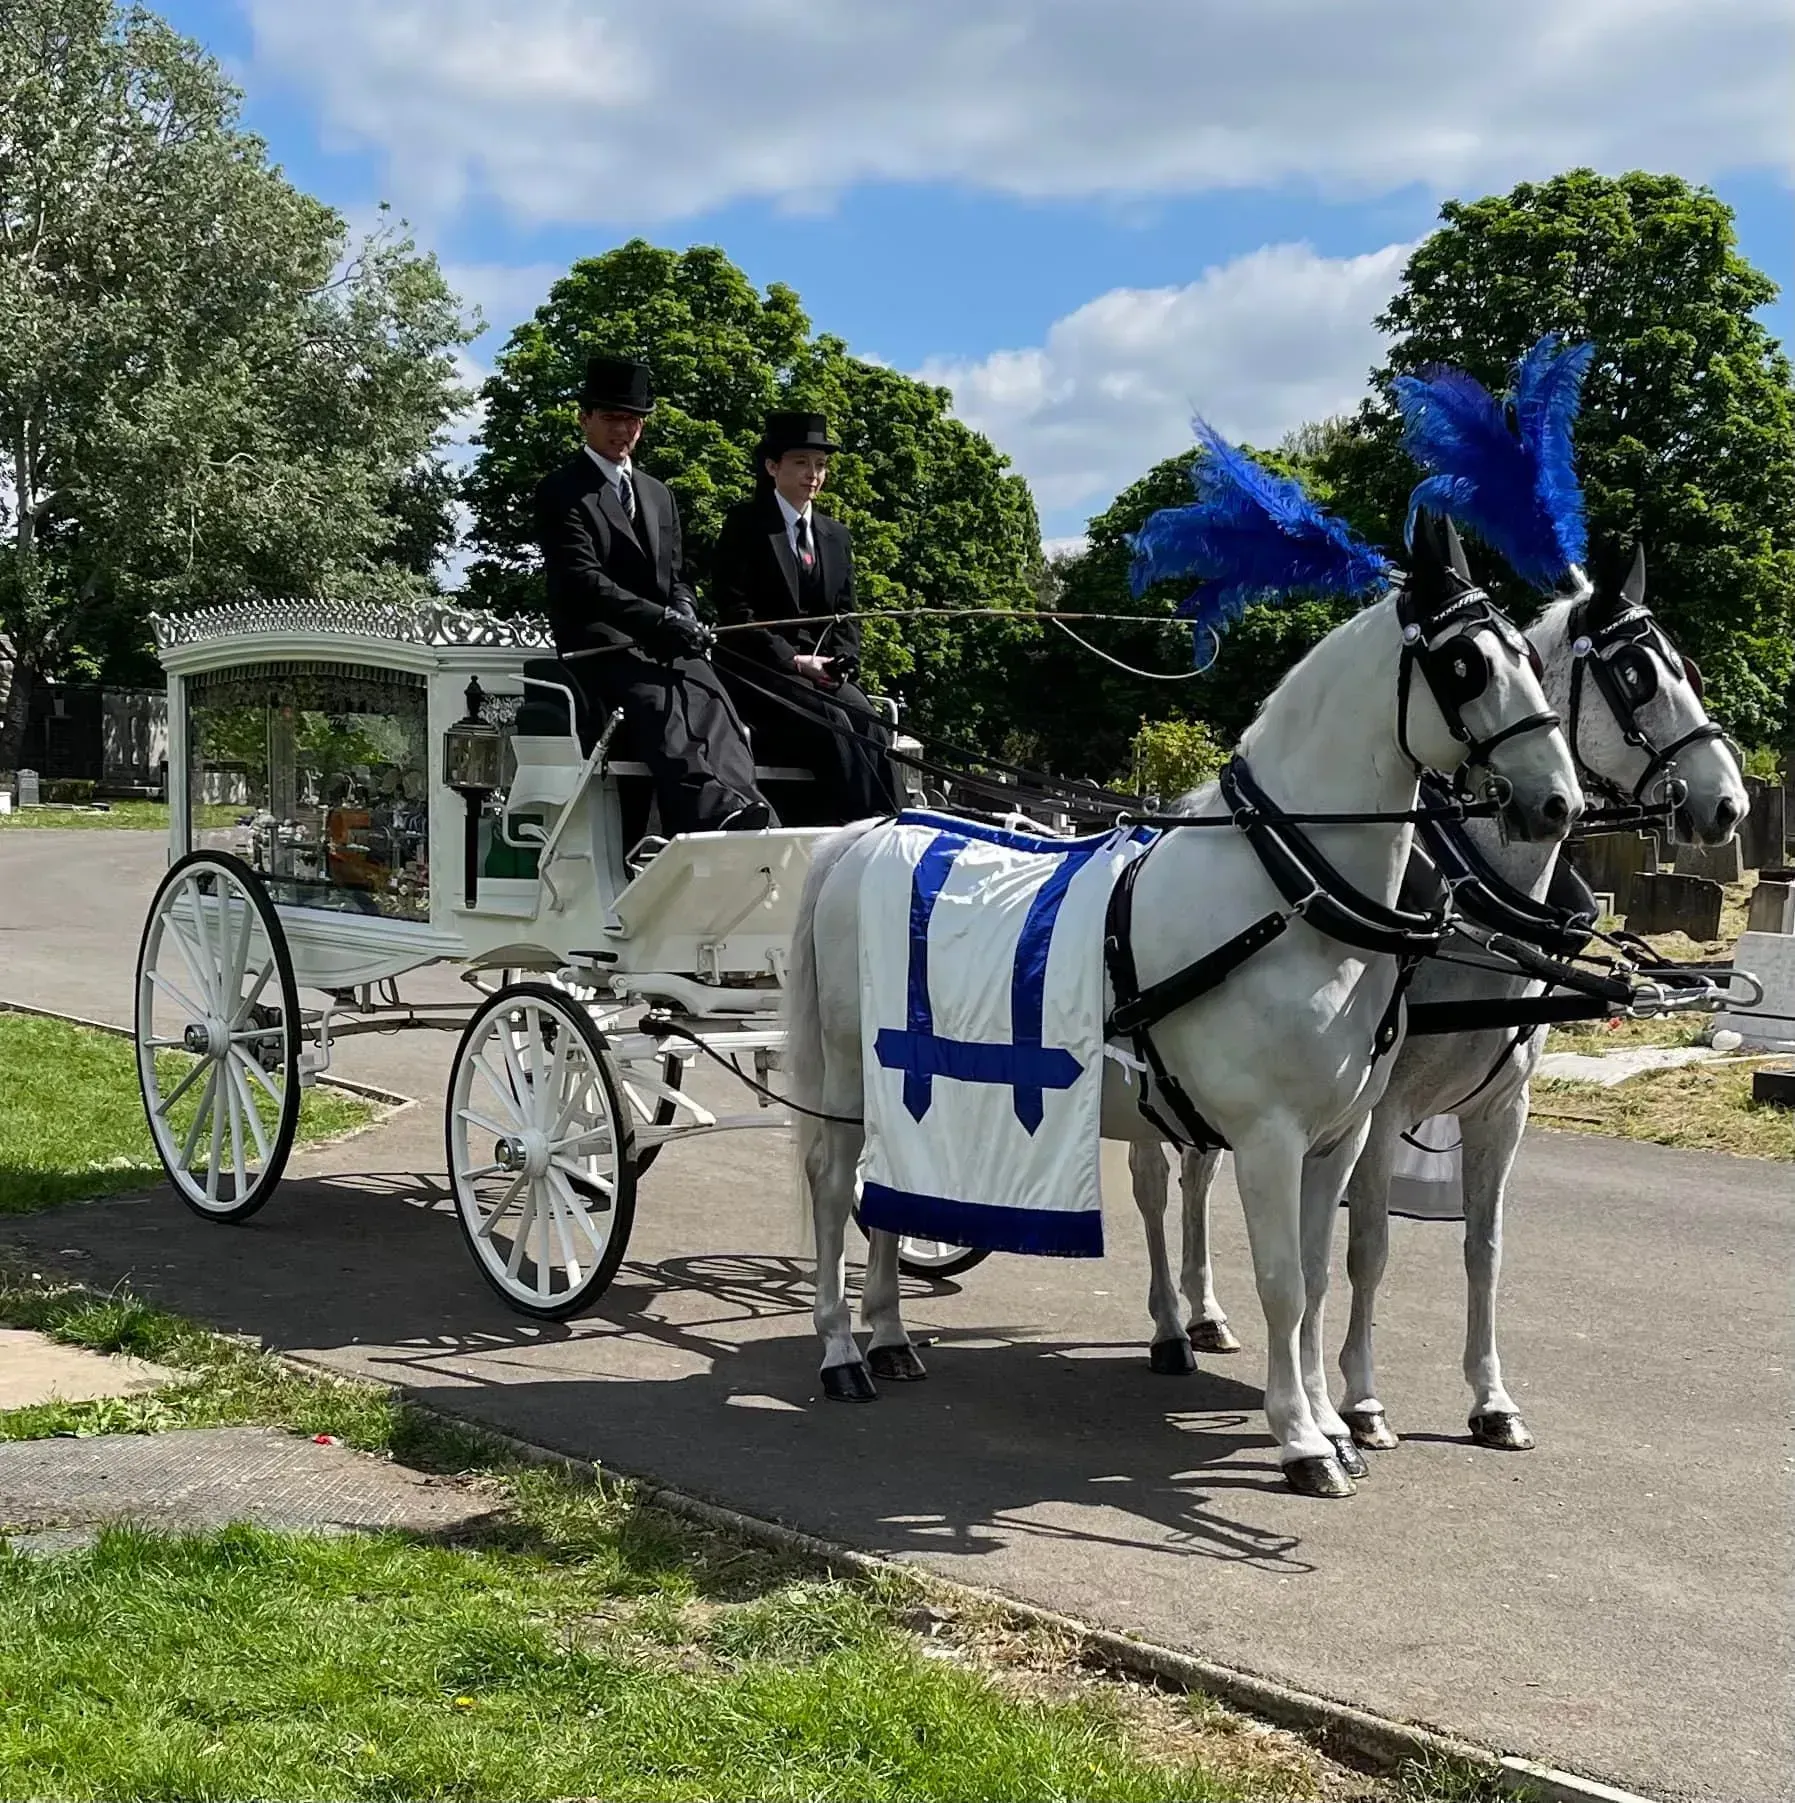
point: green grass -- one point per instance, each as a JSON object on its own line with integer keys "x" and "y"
{"x": 71, "y": 1116}
{"x": 577, "y": 1643}
{"x": 1704, "y": 1107}
{"x": 126, "y": 816}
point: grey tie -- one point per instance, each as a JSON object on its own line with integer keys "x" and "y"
{"x": 626, "y": 492}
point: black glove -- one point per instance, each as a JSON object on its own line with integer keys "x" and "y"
{"x": 679, "y": 634}
{"x": 845, "y": 668}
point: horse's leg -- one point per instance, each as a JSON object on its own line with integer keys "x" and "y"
{"x": 890, "y": 1353}
{"x": 1490, "y": 1145}
{"x": 1325, "y": 1176}
{"x": 1367, "y": 1251}
{"x": 1209, "y": 1329}
{"x": 830, "y": 1162}
{"x": 1171, "y": 1355}
{"x": 1268, "y": 1172}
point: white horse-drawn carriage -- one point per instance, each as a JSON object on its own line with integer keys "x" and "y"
{"x": 359, "y": 792}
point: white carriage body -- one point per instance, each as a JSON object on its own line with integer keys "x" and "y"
{"x": 308, "y": 738}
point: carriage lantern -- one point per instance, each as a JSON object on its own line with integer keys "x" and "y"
{"x": 472, "y": 754}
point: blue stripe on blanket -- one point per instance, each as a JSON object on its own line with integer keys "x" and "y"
{"x": 1036, "y": 1231}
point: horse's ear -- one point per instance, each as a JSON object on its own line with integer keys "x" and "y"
{"x": 1633, "y": 589}
{"x": 1438, "y": 571}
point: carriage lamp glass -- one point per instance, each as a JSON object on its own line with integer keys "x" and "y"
{"x": 473, "y": 749}
{"x": 473, "y": 753}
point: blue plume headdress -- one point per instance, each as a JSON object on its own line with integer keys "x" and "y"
{"x": 1249, "y": 536}
{"x": 1508, "y": 472}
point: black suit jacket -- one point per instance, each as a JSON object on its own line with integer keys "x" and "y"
{"x": 757, "y": 579}
{"x": 608, "y": 582}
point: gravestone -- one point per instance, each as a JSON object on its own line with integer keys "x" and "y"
{"x": 28, "y": 791}
{"x": 1610, "y": 862}
{"x": 1766, "y": 826}
{"x": 1770, "y": 957}
{"x": 1719, "y": 863}
{"x": 1772, "y": 908}
{"x": 1666, "y": 903}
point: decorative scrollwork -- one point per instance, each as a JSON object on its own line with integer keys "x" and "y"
{"x": 432, "y": 623}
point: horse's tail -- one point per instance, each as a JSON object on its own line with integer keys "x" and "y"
{"x": 804, "y": 1015}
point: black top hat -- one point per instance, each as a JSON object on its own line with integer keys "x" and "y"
{"x": 617, "y": 385}
{"x": 795, "y": 432}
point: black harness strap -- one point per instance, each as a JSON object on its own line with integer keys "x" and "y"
{"x": 1118, "y": 954}
{"x": 1483, "y": 894}
{"x": 1482, "y": 1014}
{"x": 1314, "y": 888}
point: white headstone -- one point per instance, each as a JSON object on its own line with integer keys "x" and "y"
{"x": 1770, "y": 957}
{"x": 28, "y": 790}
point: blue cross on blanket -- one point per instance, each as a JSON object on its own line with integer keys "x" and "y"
{"x": 1027, "y": 1066}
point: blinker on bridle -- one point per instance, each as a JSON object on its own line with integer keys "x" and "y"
{"x": 1622, "y": 657}
{"x": 1457, "y": 670}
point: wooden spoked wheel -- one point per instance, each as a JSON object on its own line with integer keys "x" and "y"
{"x": 541, "y": 1151}
{"x": 218, "y": 1034}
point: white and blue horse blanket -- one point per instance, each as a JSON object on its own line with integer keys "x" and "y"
{"x": 982, "y": 1012}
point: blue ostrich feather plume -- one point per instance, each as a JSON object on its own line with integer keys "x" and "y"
{"x": 1249, "y": 536}
{"x": 1506, "y": 471}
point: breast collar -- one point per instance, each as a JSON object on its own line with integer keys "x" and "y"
{"x": 1621, "y": 659}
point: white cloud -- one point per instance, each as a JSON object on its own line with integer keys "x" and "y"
{"x": 617, "y": 111}
{"x": 1257, "y": 346}
{"x": 506, "y": 293}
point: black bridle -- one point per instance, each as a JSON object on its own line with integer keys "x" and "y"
{"x": 1442, "y": 641}
{"x": 1621, "y": 656}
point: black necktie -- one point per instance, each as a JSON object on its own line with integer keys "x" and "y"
{"x": 626, "y": 492}
{"x": 801, "y": 529}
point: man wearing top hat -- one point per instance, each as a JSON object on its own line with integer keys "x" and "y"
{"x": 624, "y": 616}
{"x": 779, "y": 560}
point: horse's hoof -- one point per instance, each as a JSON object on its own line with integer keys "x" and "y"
{"x": 1352, "y": 1461}
{"x": 1317, "y": 1477}
{"x": 1172, "y": 1358}
{"x": 849, "y": 1383}
{"x": 1504, "y": 1431}
{"x": 897, "y": 1364}
{"x": 1213, "y": 1336}
{"x": 1370, "y": 1429}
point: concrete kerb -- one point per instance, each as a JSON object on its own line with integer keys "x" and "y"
{"x": 389, "y": 1099}
{"x": 1381, "y": 1741}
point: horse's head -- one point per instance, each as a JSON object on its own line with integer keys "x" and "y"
{"x": 1633, "y": 708}
{"x": 1470, "y": 702}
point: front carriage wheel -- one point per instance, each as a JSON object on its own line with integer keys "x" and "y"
{"x": 542, "y": 1158}
{"x": 218, "y": 1035}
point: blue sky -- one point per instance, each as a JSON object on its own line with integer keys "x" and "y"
{"x": 1087, "y": 219}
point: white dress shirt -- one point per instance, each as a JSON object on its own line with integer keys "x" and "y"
{"x": 792, "y": 517}
{"x": 614, "y": 472}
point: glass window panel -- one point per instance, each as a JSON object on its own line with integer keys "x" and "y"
{"x": 317, "y": 774}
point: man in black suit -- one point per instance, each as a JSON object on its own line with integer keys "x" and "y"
{"x": 625, "y": 618}
{"x": 779, "y": 559}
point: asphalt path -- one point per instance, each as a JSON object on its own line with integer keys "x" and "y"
{"x": 1617, "y": 1602}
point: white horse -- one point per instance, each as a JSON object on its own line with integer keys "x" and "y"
{"x": 1280, "y": 1058}
{"x": 1635, "y": 735}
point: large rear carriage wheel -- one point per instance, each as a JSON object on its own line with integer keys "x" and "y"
{"x": 541, "y": 1151}
{"x": 218, "y": 1034}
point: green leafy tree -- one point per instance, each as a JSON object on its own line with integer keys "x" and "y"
{"x": 937, "y": 517}
{"x": 1172, "y": 757}
{"x": 1687, "y": 436}
{"x": 205, "y": 391}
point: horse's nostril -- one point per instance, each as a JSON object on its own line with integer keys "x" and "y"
{"x": 1727, "y": 811}
{"x": 1557, "y": 808}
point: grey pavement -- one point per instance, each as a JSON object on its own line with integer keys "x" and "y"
{"x": 1616, "y": 1602}
{"x": 196, "y": 1478}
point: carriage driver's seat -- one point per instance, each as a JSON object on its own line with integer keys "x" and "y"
{"x": 550, "y": 748}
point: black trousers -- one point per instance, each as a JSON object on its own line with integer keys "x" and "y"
{"x": 833, "y": 732}
{"x": 678, "y": 720}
